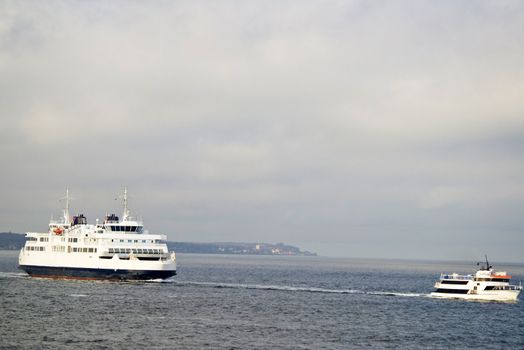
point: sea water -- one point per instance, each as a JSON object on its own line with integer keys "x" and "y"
{"x": 257, "y": 302}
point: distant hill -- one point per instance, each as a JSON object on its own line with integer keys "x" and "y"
{"x": 15, "y": 241}
{"x": 11, "y": 241}
{"x": 237, "y": 248}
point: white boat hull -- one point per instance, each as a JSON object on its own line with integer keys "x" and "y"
{"x": 500, "y": 295}
{"x": 90, "y": 266}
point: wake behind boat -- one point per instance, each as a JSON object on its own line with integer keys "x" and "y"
{"x": 486, "y": 284}
{"x": 114, "y": 250}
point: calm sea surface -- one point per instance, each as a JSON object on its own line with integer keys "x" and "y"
{"x": 257, "y": 302}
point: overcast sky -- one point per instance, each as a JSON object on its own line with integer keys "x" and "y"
{"x": 350, "y": 128}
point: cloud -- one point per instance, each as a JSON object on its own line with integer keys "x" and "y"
{"x": 317, "y": 122}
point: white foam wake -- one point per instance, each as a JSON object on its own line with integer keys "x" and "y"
{"x": 295, "y": 289}
{"x": 4, "y": 274}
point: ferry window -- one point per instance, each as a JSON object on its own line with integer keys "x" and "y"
{"x": 111, "y": 250}
{"x": 129, "y": 241}
{"x": 95, "y": 250}
{"x": 139, "y": 251}
{"x": 121, "y": 241}
{"x": 136, "y": 240}
{"x": 90, "y": 250}
{"x": 128, "y": 250}
{"x": 135, "y": 251}
{"x": 150, "y": 251}
{"x": 84, "y": 250}
{"x": 143, "y": 241}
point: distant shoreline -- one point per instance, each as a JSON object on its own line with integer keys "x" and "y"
{"x": 15, "y": 241}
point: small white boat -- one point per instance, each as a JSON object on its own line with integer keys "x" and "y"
{"x": 485, "y": 284}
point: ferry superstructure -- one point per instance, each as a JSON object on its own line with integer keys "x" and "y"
{"x": 485, "y": 284}
{"x": 117, "y": 249}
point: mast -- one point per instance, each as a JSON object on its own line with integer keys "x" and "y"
{"x": 66, "y": 209}
{"x": 125, "y": 215}
{"x": 487, "y": 263}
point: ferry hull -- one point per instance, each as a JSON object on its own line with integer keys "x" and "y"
{"x": 96, "y": 274}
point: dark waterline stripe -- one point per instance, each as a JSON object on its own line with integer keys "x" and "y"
{"x": 94, "y": 274}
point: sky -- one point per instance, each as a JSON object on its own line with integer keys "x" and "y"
{"x": 381, "y": 129}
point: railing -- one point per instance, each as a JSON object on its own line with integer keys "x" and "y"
{"x": 454, "y": 276}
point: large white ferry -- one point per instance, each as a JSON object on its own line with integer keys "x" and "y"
{"x": 485, "y": 284}
{"x": 112, "y": 250}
